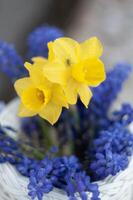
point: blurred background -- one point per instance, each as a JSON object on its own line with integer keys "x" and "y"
{"x": 111, "y": 21}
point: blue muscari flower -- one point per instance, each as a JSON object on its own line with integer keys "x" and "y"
{"x": 62, "y": 166}
{"x": 62, "y": 172}
{"x": 38, "y": 39}
{"x": 110, "y": 152}
{"x": 124, "y": 115}
{"x": 9, "y": 148}
{"x": 10, "y": 151}
{"x": 10, "y": 62}
{"x": 25, "y": 164}
{"x": 79, "y": 182}
{"x": 40, "y": 180}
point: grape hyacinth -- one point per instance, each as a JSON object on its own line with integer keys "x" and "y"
{"x": 25, "y": 165}
{"x": 124, "y": 115}
{"x": 62, "y": 172}
{"x": 110, "y": 152}
{"x": 10, "y": 151}
{"x": 10, "y": 62}
{"x": 41, "y": 179}
{"x": 38, "y": 39}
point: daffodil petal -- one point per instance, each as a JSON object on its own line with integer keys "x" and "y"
{"x": 59, "y": 97}
{"x": 85, "y": 94}
{"x": 50, "y": 52}
{"x": 21, "y": 84}
{"x": 39, "y": 59}
{"x": 64, "y": 49}
{"x": 24, "y": 112}
{"x": 51, "y": 112}
{"x": 36, "y": 70}
{"x": 71, "y": 91}
{"x": 94, "y": 72}
{"x": 91, "y": 48}
{"x": 55, "y": 73}
{"x": 28, "y": 66}
{"x": 78, "y": 72}
{"x": 37, "y": 76}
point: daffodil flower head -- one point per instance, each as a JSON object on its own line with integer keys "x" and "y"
{"x": 38, "y": 95}
{"x": 76, "y": 66}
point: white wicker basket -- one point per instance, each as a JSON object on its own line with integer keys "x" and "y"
{"x": 13, "y": 186}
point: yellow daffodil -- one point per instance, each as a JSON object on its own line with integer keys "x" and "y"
{"x": 39, "y": 96}
{"x": 75, "y": 66}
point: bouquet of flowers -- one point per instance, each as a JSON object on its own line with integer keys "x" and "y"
{"x": 69, "y": 138}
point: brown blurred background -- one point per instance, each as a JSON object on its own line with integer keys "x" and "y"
{"x": 111, "y": 21}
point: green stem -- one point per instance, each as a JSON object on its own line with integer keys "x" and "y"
{"x": 45, "y": 133}
{"x": 31, "y": 151}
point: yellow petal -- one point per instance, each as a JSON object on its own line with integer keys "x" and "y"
{"x": 28, "y": 66}
{"x": 59, "y": 97}
{"x": 51, "y": 112}
{"x": 94, "y": 72}
{"x": 85, "y": 94}
{"x": 24, "y": 112}
{"x": 50, "y": 52}
{"x": 64, "y": 49}
{"x": 38, "y": 78}
{"x": 55, "y": 73}
{"x": 71, "y": 91}
{"x": 78, "y": 72}
{"x": 91, "y": 48}
{"x": 36, "y": 71}
{"x": 21, "y": 84}
{"x": 39, "y": 59}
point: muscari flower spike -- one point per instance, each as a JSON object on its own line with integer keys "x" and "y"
{"x": 62, "y": 172}
{"x": 124, "y": 115}
{"x": 38, "y": 39}
{"x": 111, "y": 150}
{"x": 10, "y": 61}
{"x": 11, "y": 152}
{"x": 9, "y": 149}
